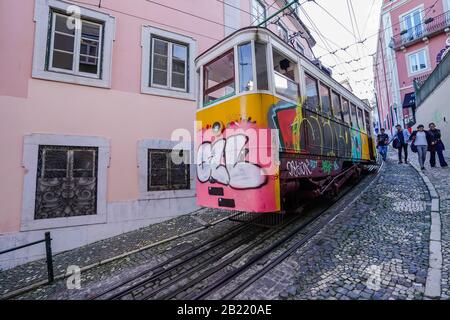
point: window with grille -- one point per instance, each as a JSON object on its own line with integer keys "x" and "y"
{"x": 168, "y": 170}
{"x": 66, "y": 183}
{"x": 75, "y": 48}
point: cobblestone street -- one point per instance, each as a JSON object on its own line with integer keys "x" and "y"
{"x": 107, "y": 258}
{"x": 377, "y": 249}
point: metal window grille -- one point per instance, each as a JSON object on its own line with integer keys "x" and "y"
{"x": 66, "y": 182}
{"x": 165, "y": 173}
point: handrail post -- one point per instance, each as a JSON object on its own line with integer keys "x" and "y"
{"x": 48, "y": 251}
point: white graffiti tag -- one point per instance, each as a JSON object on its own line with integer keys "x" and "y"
{"x": 298, "y": 168}
{"x": 224, "y": 162}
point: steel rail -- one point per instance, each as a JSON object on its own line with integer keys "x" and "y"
{"x": 214, "y": 242}
{"x": 228, "y": 261}
{"x": 235, "y": 273}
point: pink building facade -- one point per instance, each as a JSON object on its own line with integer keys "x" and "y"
{"x": 94, "y": 95}
{"x": 414, "y": 36}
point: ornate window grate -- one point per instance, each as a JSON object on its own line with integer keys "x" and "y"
{"x": 165, "y": 174}
{"x": 66, "y": 184}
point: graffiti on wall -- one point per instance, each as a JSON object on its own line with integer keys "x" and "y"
{"x": 223, "y": 162}
{"x": 304, "y": 131}
{"x": 299, "y": 168}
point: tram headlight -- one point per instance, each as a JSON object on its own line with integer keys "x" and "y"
{"x": 217, "y": 127}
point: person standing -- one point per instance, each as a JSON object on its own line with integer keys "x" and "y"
{"x": 422, "y": 140}
{"x": 382, "y": 144}
{"x": 436, "y": 146}
{"x": 401, "y": 136}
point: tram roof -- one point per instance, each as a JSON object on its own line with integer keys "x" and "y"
{"x": 256, "y": 30}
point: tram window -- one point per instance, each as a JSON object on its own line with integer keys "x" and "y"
{"x": 354, "y": 117}
{"x": 346, "y": 111}
{"x": 284, "y": 76}
{"x": 367, "y": 119}
{"x": 245, "y": 67}
{"x": 325, "y": 99}
{"x": 219, "y": 79}
{"x": 336, "y": 101}
{"x": 261, "y": 66}
{"x": 360, "y": 119}
{"x": 283, "y": 65}
{"x": 312, "y": 95}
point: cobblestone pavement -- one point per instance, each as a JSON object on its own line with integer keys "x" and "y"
{"x": 440, "y": 178}
{"x": 32, "y": 272}
{"x": 378, "y": 248}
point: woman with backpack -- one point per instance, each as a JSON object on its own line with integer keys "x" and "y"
{"x": 421, "y": 140}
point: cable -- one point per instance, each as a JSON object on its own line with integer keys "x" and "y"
{"x": 190, "y": 14}
{"x": 377, "y": 33}
{"x": 149, "y": 20}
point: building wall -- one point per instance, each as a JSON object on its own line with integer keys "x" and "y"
{"x": 392, "y": 94}
{"x": 435, "y": 109}
{"x": 121, "y": 116}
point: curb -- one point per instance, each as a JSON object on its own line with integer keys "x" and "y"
{"x": 433, "y": 283}
{"x": 36, "y": 285}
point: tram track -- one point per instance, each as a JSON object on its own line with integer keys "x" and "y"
{"x": 270, "y": 264}
{"x": 220, "y": 262}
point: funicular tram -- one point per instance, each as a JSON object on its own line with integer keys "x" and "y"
{"x": 272, "y": 126}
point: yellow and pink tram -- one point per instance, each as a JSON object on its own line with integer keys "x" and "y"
{"x": 271, "y": 125}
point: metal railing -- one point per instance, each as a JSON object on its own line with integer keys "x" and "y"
{"x": 439, "y": 74}
{"x": 427, "y": 28}
{"x": 48, "y": 252}
{"x": 419, "y": 80}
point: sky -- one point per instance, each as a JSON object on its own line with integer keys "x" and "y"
{"x": 334, "y": 31}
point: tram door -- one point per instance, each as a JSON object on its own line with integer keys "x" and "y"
{"x": 370, "y": 135}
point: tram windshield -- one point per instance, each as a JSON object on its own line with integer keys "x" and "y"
{"x": 219, "y": 78}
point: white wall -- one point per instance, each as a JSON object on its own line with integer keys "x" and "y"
{"x": 436, "y": 108}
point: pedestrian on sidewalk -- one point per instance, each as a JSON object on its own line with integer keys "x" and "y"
{"x": 422, "y": 140}
{"x": 436, "y": 146}
{"x": 382, "y": 144}
{"x": 400, "y": 142}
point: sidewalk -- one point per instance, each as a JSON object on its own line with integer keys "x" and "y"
{"x": 104, "y": 251}
{"x": 440, "y": 179}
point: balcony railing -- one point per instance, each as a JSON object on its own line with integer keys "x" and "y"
{"x": 427, "y": 28}
{"x": 419, "y": 80}
{"x": 439, "y": 74}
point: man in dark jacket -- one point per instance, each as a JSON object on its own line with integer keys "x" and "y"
{"x": 382, "y": 143}
{"x": 436, "y": 146}
{"x": 400, "y": 139}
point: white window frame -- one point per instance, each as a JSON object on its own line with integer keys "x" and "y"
{"x": 147, "y": 87}
{"x": 256, "y": 19}
{"x": 410, "y": 12}
{"x": 143, "y": 147}
{"x": 42, "y": 70}
{"x": 299, "y": 46}
{"x": 169, "y": 65}
{"x": 30, "y": 163}
{"x": 76, "y": 54}
{"x": 282, "y": 27}
{"x": 427, "y": 62}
